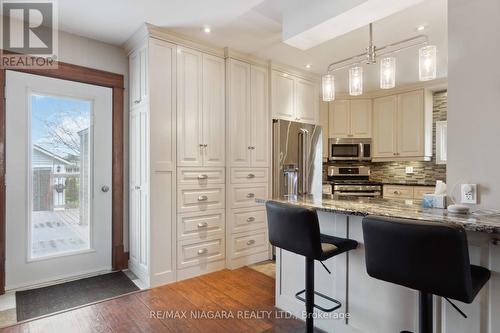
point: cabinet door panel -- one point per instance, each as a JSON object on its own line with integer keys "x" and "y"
{"x": 214, "y": 112}
{"x": 260, "y": 120}
{"x": 282, "y": 96}
{"x": 306, "y": 101}
{"x": 189, "y": 108}
{"x": 135, "y": 78}
{"x": 144, "y": 75}
{"x": 384, "y": 126}
{"x": 361, "y": 118}
{"x": 411, "y": 124}
{"x": 339, "y": 119}
{"x": 239, "y": 114}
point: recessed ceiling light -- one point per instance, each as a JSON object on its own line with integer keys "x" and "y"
{"x": 421, "y": 27}
{"x": 308, "y": 66}
{"x": 207, "y": 30}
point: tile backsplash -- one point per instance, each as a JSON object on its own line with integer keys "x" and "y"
{"x": 424, "y": 173}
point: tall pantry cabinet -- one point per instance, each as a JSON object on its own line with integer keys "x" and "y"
{"x": 249, "y": 160}
{"x": 152, "y": 152}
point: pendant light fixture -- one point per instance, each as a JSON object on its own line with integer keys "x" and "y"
{"x": 328, "y": 84}
{"x": 356, "y": 81}
{"x": 427, "y": 63}
{"x": 387, "y": 73}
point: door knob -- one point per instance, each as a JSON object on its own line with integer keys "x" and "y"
{"x": 105, "y": 188}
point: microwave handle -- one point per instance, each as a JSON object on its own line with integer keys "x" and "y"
{"x": 361, "y": 151}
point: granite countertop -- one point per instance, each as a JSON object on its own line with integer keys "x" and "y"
{"x": 488, "y": 222}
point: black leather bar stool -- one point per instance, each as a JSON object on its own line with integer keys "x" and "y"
{"x": 432, "y": 258}
{"x": 296, "y": 229}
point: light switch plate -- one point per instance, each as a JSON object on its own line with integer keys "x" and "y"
{"x": 468, "y": 193}
{"x": 409, "y": 170}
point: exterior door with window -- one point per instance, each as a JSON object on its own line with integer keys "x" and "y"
{"x": 58, "y": 177}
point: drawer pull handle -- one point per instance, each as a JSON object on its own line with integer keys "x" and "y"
{"x": 251, "y": 147}
{"x": 202, "y": 177}
{"x": 202, "y": 251}
{"x": 250, "y": 195}
{"x": 202, "y": 198}
{"x": 251, "y": 219}
{"x": 251, "y": 175}
{"x": 396, "y": 192}
{"x": 137, "y": 101}
{"x": 202, "y": 225}
{"x": 251, "y": 242}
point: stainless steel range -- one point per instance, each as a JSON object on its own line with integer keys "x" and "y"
{"x": 347, "y": 181}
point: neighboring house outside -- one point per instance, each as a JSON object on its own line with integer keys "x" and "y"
{"x": 53, "y": 177}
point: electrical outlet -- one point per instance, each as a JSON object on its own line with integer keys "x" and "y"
{"x": 469, "y": 193}
{"x": 409, "y": 169}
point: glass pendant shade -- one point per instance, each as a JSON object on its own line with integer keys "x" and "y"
{"x": 355, "y": 81}
{"x": 427, "y": 63}
{"x": 388, "y": 73}
{"x": 328, "y": 86}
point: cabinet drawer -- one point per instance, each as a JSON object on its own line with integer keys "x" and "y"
{"x": 192, "y": 198}
{"x": 244, "y": 195}
{"x": 249, "y": 176}
{"x": 246, "y": 219}
{"x": 402, "y": 192}
{"x": 193, "y": 252}
{"x": 200, "y": 176}
{"x": 419, "y": 191}
{"x": 249, "y": 243}
{"x": 200, "y": 225}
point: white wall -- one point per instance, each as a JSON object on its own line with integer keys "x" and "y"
{"x": 474, "y": 97}
{"x": 94, "y": 54}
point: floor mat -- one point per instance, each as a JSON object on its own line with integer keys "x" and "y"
{"x": 38, "y": 302}
{"x": 267, "y": 267}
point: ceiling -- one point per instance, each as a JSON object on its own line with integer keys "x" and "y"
{"x": 255, "y": 27}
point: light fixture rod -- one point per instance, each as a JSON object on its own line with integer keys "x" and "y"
{"x": 372, "y": 52}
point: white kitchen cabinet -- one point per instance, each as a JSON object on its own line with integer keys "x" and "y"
{"x": 189, "y": 107}
{"x": 351, "y": 119}
{"x": 152, "y": 193}
{"x": 138, "y": 69}
{"x": 214, "y": 112}
{"x": 411, "y": 124}
{"x": 282, "y": 96}
{"x": 294, "y": 98}
{"x": 403, "y": 127}
{"x": 306, "y": 101}
{"x": 249, "y": 124}
{"x": 260, "y": 122}
{"x": 384, "y": 127}
{"x": 200, "y": 109}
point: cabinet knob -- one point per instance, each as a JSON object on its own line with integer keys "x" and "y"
{"x": 137, "y": 187}
{"x": 396, "y": 192}
{"x": 251, "y": 219}
{"x": 251, "y": 147}
{"x": 251, "y": 175}
{"x": 250, "y": 195}
{"x": 205, "y": 145}
{"x": 202, "y": 198}
{"x": 202, "y": 251}
{"x": 202, "y": 177}
{"x": 202, "y": 225}
{"x": 251, "y": 242}
{"x": 137, "y": 101}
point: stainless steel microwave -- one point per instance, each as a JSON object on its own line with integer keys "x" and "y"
{"x": 349, "y": 149}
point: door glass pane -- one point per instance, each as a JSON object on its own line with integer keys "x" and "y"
{"x": 60, "y": 184}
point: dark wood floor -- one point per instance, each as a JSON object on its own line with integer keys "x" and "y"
{"x": 226, "y": 293}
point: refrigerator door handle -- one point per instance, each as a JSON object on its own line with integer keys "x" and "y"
{"x": 303, "y": 153}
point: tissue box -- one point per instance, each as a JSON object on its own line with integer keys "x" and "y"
{"x": 434, "y": 201}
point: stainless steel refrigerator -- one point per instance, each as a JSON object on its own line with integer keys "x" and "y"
{"x": 297, "y": 159}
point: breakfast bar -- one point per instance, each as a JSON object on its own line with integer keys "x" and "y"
{"x": 371, "y": 305}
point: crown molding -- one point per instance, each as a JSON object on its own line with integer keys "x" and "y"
{"x": 294, "y": 71}
{"x": 245, "y": 57}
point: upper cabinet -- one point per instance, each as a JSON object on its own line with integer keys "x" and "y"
{"x": 248, "y": 115}
{"x": 138, "y": 69}
{"x": 403, "y": 126}
{"x": 351, "y": 118}
{"x": 294, "y": 98}
{"x": 200, "y": 109}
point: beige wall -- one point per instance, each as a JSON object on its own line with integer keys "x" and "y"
{"x": 474, "y": 97}
{"x": 91, "y": 53}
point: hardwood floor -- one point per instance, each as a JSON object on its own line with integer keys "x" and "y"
{"x": 234, "y": 301}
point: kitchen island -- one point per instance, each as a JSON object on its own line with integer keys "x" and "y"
{"x": 370, "y": 305}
